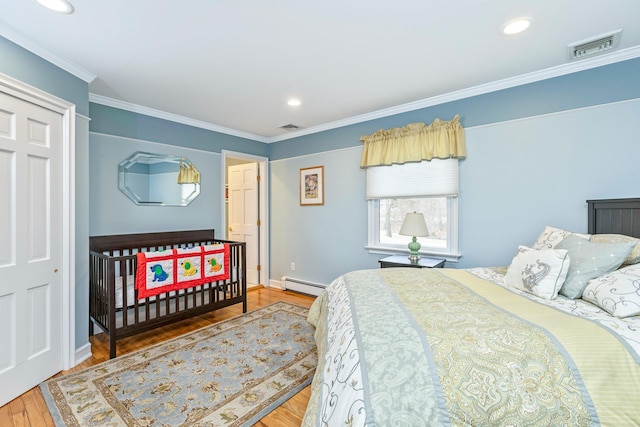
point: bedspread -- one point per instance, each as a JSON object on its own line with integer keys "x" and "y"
{"x": 438, "y": 347}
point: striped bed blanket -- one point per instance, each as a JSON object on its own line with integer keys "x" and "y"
{"x": 440, "y": 347}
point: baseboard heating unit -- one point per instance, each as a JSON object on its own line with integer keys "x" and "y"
{"x": 311, "y": 288}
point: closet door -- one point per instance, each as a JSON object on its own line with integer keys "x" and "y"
{"x": 31, "y": 337}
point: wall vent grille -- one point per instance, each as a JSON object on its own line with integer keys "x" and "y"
{"x": 601, "y": 44}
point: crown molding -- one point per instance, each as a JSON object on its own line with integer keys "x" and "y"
{"x": 573, "y": 67}
{"x": 21, "y": 40}
{"x": 135, "y": 108}
{"x": 561, "y": 70}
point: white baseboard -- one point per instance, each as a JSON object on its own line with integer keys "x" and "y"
{"x": 83, "y": 353}
{"x": 279, "y": 284}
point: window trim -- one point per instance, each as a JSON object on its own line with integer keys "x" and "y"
{"x": 450, "y": 254}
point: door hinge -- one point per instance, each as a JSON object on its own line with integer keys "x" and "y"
{"x": 258, "y": 178}
{"x": 259, "y": 223}
{"x": 259, "y": 267}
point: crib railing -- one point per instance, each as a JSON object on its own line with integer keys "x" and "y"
{"x": 113, "y": 301}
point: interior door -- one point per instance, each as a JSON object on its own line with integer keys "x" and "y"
{"x": 243, "y": 214}
{"x": 31, "y": 345}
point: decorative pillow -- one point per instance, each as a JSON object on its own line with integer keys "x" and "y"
{"x": 538, "y": 272}
{"x": 590, "y": 260}
{"x": 551, "y": 236}
{"x": 617, "y": 292}
{"x": 634, "y": 256}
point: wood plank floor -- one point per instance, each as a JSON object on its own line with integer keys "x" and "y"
{"x": 31, "y": 410}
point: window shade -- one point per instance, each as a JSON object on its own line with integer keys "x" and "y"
{"x": 438, "y": 177}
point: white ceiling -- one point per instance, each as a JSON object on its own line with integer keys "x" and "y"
{"x": 232, "y": 65}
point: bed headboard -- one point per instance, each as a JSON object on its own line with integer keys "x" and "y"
{"x": 614, "y": 216}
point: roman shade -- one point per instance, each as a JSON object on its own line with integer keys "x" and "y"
{"x": 435, "y": 178}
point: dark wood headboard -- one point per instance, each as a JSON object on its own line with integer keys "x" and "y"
{"x": 615, "y": 216}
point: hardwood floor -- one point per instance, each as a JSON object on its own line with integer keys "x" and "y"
{"x": 31, "y": 410}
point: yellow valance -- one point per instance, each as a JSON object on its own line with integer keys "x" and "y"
{"x": 188, "y": 174}
{"x": 414, "y": 143}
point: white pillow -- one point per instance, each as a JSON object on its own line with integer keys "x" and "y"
{"x": 551, "y": 236}
{"x": 539, "y": 272}
{"x": 617, "y": 292}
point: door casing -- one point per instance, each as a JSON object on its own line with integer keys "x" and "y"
{"x": 263, "y": 230}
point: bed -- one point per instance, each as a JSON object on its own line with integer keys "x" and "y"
{"x": 114, "y": 303}
{"x": 490, "y": 346}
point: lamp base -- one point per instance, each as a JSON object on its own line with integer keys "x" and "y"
{"x": 414, "y": 250}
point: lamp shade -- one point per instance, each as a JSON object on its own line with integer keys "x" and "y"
{"x": 414, "y": 225}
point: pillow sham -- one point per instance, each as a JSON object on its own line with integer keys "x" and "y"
{"x": 590, "y": 260}
{"x": 617, "y": 292}
{"x": 634, "y": 256}
{"x": 538, "y": 272}
{"x": 551, "y": 236}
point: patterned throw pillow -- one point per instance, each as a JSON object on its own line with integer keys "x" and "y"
{"x": 551, "y": 236}
{"x": 590, "y": 260}
{"x": 617, "y": 292}
{"x": 540, "y": 273}
{"x": 633, "y": 257}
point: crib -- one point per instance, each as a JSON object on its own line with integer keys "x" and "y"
{"x": 113, "y": 301}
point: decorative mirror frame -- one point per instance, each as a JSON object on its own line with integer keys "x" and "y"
{"x": 158, "y": 191}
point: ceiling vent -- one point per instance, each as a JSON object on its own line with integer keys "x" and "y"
{"x": 601, "y": 44}
{"x": 289, "y": 127}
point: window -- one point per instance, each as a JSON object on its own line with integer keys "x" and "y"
{"x": 440, "y": 213}
{"x": 427, "y": 187}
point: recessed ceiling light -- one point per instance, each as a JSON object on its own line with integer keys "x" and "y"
{"x": 516, "y": 26}
{"x": 294, "y": 102}
{"x": 62, "y": 6}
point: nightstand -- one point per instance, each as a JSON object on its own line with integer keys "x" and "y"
{"x": 403, "y": 261}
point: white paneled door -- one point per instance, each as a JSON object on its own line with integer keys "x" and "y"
{"x": 243, "y": 214}
{"x": 31, "y": 343}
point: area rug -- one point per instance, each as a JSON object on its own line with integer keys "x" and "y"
{"x": 231, "y": 373}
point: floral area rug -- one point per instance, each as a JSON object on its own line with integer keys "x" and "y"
{"x": 231, "y": 373}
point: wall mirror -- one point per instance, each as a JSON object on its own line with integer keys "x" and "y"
{"x": 158, "y": 179}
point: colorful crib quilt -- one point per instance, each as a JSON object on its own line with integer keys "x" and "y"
{"x": 175, "y": 269}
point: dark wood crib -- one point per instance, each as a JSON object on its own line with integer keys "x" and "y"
{"x": 113, "y": 302}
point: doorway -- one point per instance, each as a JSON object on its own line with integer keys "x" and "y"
{"x": 245, "y": 210}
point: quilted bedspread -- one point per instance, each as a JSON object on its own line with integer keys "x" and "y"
{"x": 438, "y": 347}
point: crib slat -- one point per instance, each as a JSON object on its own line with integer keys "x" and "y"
{"x": 113, "y": 256}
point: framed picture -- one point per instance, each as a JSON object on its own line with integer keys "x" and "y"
{"x": 312, "y": 186}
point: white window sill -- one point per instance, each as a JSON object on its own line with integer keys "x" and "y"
{"x": 385, "y": 250}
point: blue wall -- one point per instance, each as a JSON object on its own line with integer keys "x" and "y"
{"x": 536, "y": 152}
{"x": 117, "y": 122}
{"x": 31, "y": 69}
{"x": 541, "y": 123}
{"x": 35, "y": 71}
{"x": 522, "y": 175}
{"x": 323, "y": 241}
{"x": 112, "y": 212}
{"x": 116, "y": 134}
{"x": 602, "y": 85}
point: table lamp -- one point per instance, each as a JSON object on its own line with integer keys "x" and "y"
{"x": 414, "y": 225}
